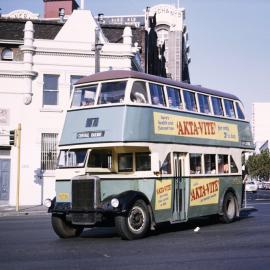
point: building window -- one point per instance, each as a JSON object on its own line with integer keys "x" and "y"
{"x": 50, "y": 89}
{"x": 73, "y": 80}
{"x": 48, "y": 151}
{"x": 7, "y": 54}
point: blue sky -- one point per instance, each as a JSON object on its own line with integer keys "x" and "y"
{"x": 229, "y": 40}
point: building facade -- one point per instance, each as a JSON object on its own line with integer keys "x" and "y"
{"x": 261, "y": 125}
{"x": 40, "y": 61}
{"x": 171, "y": 31}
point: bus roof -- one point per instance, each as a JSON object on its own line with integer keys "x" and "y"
{"x": 123, "y": 74}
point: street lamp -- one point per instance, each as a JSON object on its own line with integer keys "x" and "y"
{"x": 98, "y": 47}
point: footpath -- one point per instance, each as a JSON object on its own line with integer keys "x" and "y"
{"x": 7, "y": 210}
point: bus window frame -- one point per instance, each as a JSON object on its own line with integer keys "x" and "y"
{"x": 225, "y": 110}
{"x": 208, "y": 101}
{"x": 181, "y": 102}
{"x": 129, "y": 91}
{"x": 163, "y": 92}
{"x": 222, "y": 106}
{"x": 195, "y": 110}
{"x": 241, "y": 107}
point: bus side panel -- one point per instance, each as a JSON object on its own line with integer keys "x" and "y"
{"x": 206, "y": 194}
{"x": 158, "y": 192}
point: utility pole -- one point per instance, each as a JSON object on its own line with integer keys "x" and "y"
{"x": 18, "y": 144}
{"x": 98, "y": 47}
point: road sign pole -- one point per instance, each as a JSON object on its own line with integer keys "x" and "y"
{"x": 18, "y": 139}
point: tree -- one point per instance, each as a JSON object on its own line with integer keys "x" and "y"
{"x": 258, "y": 165}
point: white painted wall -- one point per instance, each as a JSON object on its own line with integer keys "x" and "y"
{"x": 69, "y": 54}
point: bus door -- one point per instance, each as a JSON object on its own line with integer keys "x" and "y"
{"x": 179, "y": 212}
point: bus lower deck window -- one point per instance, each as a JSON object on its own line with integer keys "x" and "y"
{"x": 125, "y": 162}
{"x": 210, "y": 163}
{"x": 100, "y": 159}
{"x": 223, "y": 165}
{"x": 195, "y": 161}
{"x": 143, "y": 161}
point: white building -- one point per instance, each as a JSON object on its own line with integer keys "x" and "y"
{"x": 35, "y": 90}
{"x": 261, "y": 124}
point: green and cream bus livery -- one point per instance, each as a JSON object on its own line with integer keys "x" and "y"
{"x": 137, "y": 150}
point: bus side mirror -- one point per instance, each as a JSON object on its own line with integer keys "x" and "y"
{"x": 155, "y": 164}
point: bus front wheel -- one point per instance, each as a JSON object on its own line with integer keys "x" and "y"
{"x": 63, "y": 229}
{"x": 229, "y": 208}
{"x": 135, "y": 224}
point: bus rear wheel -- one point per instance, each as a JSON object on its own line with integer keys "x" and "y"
{"x": 229, "y": 208}
{"x": 64, "y": 229}
{"x": 135, "y": 224}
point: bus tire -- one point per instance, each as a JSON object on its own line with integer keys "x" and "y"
{"x": 135, "y": 224}
{"x": 229, "y": 208}
{"x": 64, "y": 229}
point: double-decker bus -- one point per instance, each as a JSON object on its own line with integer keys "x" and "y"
{"x": 137, "y": 150}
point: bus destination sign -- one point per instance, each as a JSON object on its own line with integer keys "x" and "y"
{"x": 90, "y": 134}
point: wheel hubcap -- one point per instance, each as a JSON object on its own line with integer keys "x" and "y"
{"x": 136, "y": 219}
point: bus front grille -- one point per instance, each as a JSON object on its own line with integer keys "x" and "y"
{"x": 83, "y": 195}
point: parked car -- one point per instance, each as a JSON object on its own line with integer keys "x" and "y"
{"x": 251, "y": 186}
{"x": 266, "y": 185}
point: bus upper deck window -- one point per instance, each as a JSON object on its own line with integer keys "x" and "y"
{"x": 217, "y": 106}
{"x": 84, "y": 96}
{"x": 157, "y": 94}
{"x": 229, "y": 108}
{"x": 239, "y": 111}
{"x": 204, "y": 103}
{"x": 190, "y": 101}
{"x": 112, "y": 92}
{"x": 174, "y": 98}
{"x": 138, "y": 92}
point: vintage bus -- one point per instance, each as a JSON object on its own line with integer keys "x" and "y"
{"x": 137, "y": 150}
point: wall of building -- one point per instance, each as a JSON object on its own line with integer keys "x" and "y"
{"x": 21, "y": 95}
{"x": 261, "y": 123}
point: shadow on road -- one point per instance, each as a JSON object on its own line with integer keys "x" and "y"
{"x": 110, "y": 232}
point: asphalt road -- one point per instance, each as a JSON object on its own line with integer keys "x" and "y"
{"x": 28, "y": 242}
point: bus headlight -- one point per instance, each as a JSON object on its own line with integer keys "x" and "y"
{"x": 115, "y": 202}
{"x": 48, "y": 203}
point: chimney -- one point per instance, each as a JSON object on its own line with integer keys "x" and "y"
{"x": 53, "y": 7}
